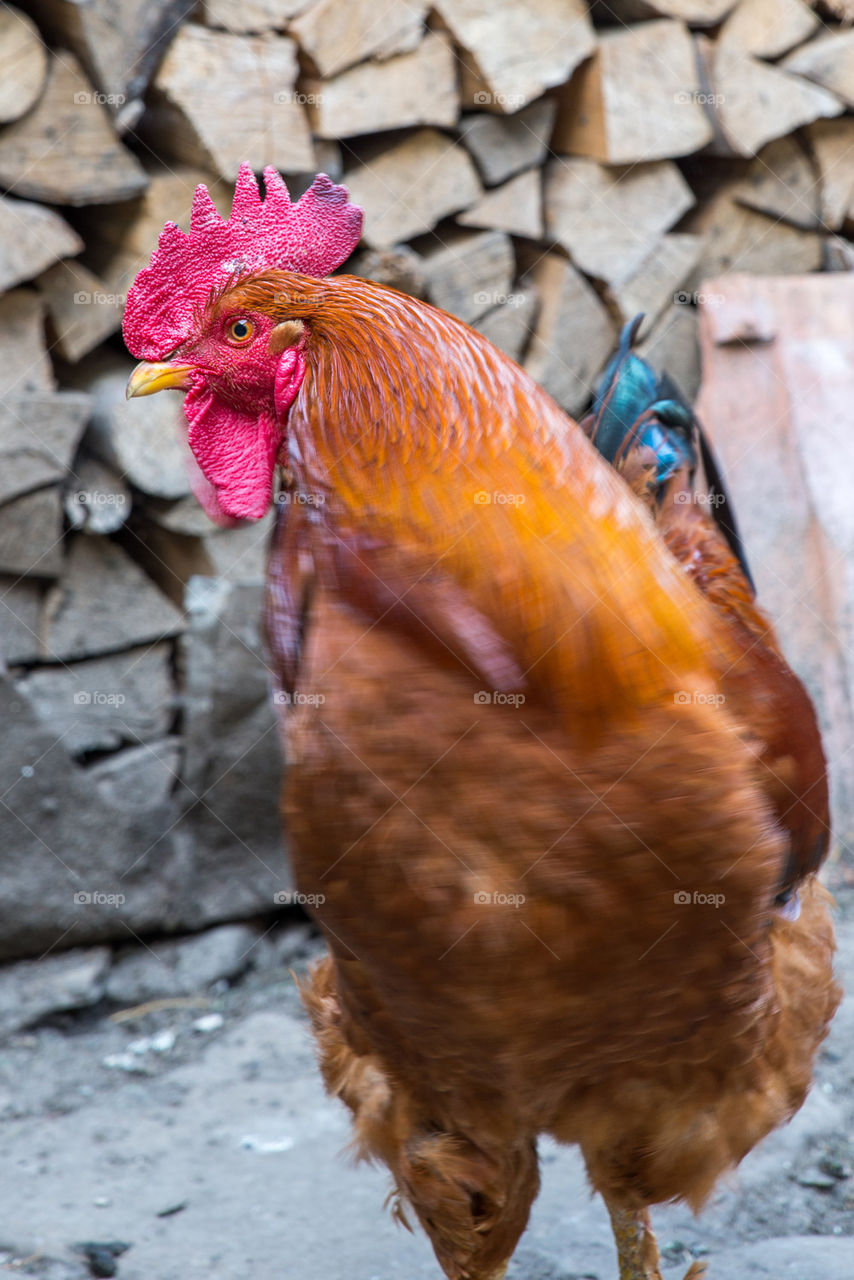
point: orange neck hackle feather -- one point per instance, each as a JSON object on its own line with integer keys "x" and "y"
{"x": 425, "y": 435}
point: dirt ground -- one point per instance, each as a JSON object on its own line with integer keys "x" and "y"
{"x": 218, "y": 1157}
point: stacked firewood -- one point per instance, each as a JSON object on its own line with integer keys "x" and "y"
{"x": 544, "y": 171}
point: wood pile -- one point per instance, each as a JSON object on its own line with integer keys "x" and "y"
{"x": 544, "y": 171}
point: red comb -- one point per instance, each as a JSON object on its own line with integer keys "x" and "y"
{"x": 313, "y": 237}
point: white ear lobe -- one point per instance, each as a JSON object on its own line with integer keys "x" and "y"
{"x": 284, "y": 335}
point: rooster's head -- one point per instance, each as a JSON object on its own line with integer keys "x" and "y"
{"x": 200, "y": 321}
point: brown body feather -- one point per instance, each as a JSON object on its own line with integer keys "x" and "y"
{"x": 599, "y": 780}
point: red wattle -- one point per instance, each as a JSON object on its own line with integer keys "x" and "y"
{"x": 236, "y": 453}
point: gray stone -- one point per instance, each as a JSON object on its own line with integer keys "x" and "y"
{"x": 39, "y": 433}
{"x": 104, "y": 703}
{"x": 104, "y": 602}
{"x": 181, "y": 966}
{"x": 504, "y": 145}
{"x": 31, "y": 534}
{"x": 470, "y": 272}
{"x": 32, "y": 989}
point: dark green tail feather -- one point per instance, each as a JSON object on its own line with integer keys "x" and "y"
{"x": 635, "y": 406}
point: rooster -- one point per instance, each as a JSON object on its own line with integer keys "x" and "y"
{"x": 543, "y": 838}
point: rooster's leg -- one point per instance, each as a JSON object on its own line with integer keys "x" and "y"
{"x": 637, "y": 1248}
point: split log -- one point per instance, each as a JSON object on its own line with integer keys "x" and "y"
{"x": 118, "y": 44}
{"x": 781, "y": 182}
{"x": 219, "y": 100}
{"x": 335, "y": 37}
{"x": 23, "y": 64}
{"x": 398, "y": 203}
{"x": 503, "y": 145}
{"x": 31, "y": 534}
{"x": 671, "y": 347}
{"x": 697, "y": 13}
{"x": 511, "y": 53}
{"x": 410, "y": 89}
{"x": 96, "y": 499}
{"x": 103, "y": 602}
{"x": 470, "y": 272}
{"x": 768, "y": 28}
{"x": 615, "y": 111}
{"x": 251, "y": 17}
{"x": 31, "y": 238}
{"x": 736, "y": 238}
{"x": 81, "y": 308}
{"x": 21, "y": 603}
{"x": 508, "y": 326}
{"x": 757, "y": 103}
{"x": 832, "y": 145}
{"x": 574, "y": 335}
{"x": 39, "y": 433}
{"x": 24, "y": 362}
{"x": 828, "y": 61}
{"x": 88, "y": 166}
{"x": 655, "y": 283}
{"x": 608, "y": 220}
{"x": 515, "y": 207}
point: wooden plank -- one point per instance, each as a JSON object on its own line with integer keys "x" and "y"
{"x": 787, "y": 457}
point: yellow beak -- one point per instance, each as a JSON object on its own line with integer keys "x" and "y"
{"x": 148, "y": 378}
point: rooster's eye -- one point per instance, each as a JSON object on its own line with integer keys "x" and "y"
{"x": 240, "y": 331}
